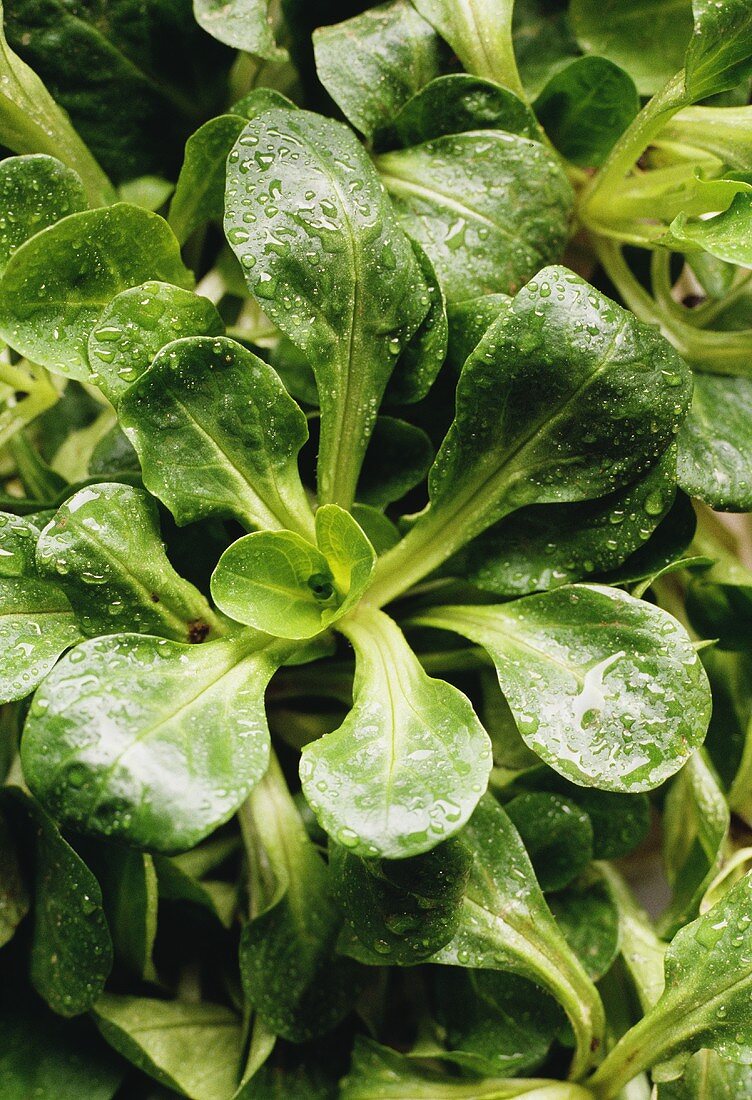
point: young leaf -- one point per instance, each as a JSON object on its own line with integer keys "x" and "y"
{"x": 401, "y": 911}
{"x": 244, "y": 24}
{"x": 71, "y": 952}
{"x": 646, "y": 38}
{"x": 57, "y": 283}
{"x": 37, "y": 624}
{"x": 148, "y": 740}
{"x": 137, "y": 324}
{"x": 218, "y": 435}
{"x": 459, "y": 102}
{"x": 195, "y": 1049}
{"x": 591, "y": 653}
{"x": 705, "y": 1003}
{"x": 566, "y": 398}
{"x": 695, "y": 828}
{"x": 290, "y": 972}
{"x": 392, "y": 53}
{"x": 557, "y": 834}
{"x": 342, "y": 280}
{"x": 586, "y": 107}
{"x": 642, "y": 950}
{"x": 35, "y": 191}
{"x": 410, "y": 762}
{"x": 480, "y": 33}
{"x": 489, "y": 208}
{"x": 104, "y": 550}
{"x": 200, "y": 190}
{"x": 708, "y": 1077}
{"x": 286, "y": 586}
{"x": 719, "y": 55}
{"x": 506, "y": 925}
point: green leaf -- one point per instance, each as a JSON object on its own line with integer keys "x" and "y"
{"x": 506, "y": 925}
{"x": 37, "y": 624}
{"x": 244, "y": 24}
{"x": 459, "y": 102}
{"x": 35, "y": 191}
{"x": 32, "y": 122}
{"x": 643, "y": 952}
{"x": 286, "y": 586}
{"x": 56, "y": 284}
{"x": 728, "y": 235}
{"x": 705, "y": 1004}
{"x": 391, "y": 53}
{"x": 722, "y": 131}
{"x": 647, "y": 38}
{"x": 181, "y": 879}
{"x": 587, "y": 915}
{"x": 14, "y": 898}
{"x": 714, "y": 461}
{"x": 543, "y": 42}
{"x": 695, "y": 827}
{"x": 567, "y": 397}
{"x": 585, "y": 108}
{"x": 401, "y": 911}
{"x": 419, "y": 364}
{"x": 720, "y": 53}
{"x": 480, "y": 33}
{"x": 621, "y": 698}
{"x": 71, "y": 950}
{"x": 378, "y": 1073}
{"x": 407, "y": 767}
{"x": 290, "y": 972}
{"x": 136, "y": 325}
{"x": 18, "y": 540}
{"x": 518, "y": 555}
{"x": 342, "y": 281}
{"x": 148, "y": 740}
{"x": 489, "y": 208}
{"x": 218, "y": 435}
{"x": 495, "y": 1022}
{"x": 47, "y": 1057}
{"x": 398, "y": 458}
{"x": 708, "y": 1077}
{"x": 104, "y": 550}
{"x": 129, "y": 896}
{"x": 195, "y": 1049}
{"x": 557, "y": 834}
{"x": 200, "y": 190}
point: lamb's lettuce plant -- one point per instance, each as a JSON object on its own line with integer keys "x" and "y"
{"x": 356, "y": 621}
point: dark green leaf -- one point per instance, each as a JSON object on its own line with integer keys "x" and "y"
{"x": 244, "y": 24}
{"x": 586, "y": 107}
{"x": 337, "y": 275}
{"x": 708, "y": 1077}
{"x": 217, "y": 434}
{"x": 587, "y": 915}
{"x": 35, "y": 191}
{"x": 410, "y": 762}
{"x": 129, "y": 897}
{"x": 37, "y": 624}
{"x": 424, "y": 356}
{"x": 18, "y": 540}
{"x": 543, "y": 42}
{"x": 137, "y": 324}
{"x": 149, "y": 740}
{"x": 14, "y": 898}
{"x": 480, "y": 33}
{"x": 104, "y": 550}
{"x": 399, "y": 456}
{"x": 200, "y": 190}
{"x": 59, "y": 281}
{"x": 557, "y": 834}
{"x": 714, "y": 454}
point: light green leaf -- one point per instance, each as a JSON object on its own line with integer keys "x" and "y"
{"x": 286, "y": 586}
{"x": 37, "y": 624}
{"x": 728, "y": 235}
{"x": 458, "y": 102}
{"x": 137, "y": 324}
{"x": 148, "y": 740}
{"x": 217, "y": 434}
{"x": 723, "y": 131}
{"x": 410, "y": 762}
{"x": 244, "y": 24}
{"x": 642, "y": 950}
{"x": 647, "y": 38}
{"x": 391, "y": 53}
{"x": 341, "y": 281}
{"x": 489, "y": 208}
{"x": 56, "y": 284}
{"x": 621, "y": 698}
{"x": 104, "y": 550}
{"x": 506, "y": 925}
{"x": 32, "y": 122}
{"x": 480, "y": 33}
{"x": 18, "y": 540}
{"x": 71, "y": 950}
{"x": 708, "y": 1077}
{"x": 695, "y": 827}
{"x": 705, "y": 1004}
{"x": 35, "y": 191}
{"x": 715, "y": 459}
{"x": 291, "y": 974}
{"x": 585, "y": 108}
{"x": 195, "y": 1049}
{"x": 720, "y": 53}
{"x": 567, "y": 397}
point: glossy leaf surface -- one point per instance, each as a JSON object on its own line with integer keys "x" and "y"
{"x": 244, "y": 24}
{"x": 480, "y": 33}
{"x": 35, "y": 191}
{"x": 37, "y": 624}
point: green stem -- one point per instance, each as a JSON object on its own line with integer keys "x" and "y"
{"x": 635, "y": 1052}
